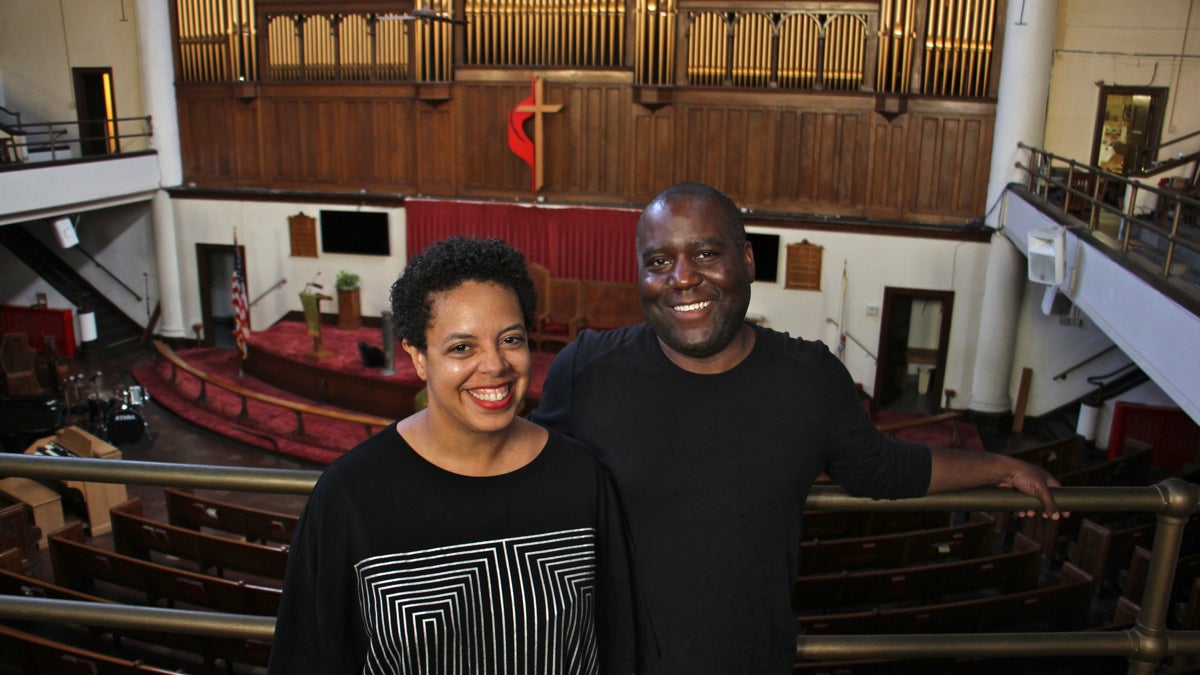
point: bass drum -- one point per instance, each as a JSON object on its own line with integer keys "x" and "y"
{"x": 124, "y": 425}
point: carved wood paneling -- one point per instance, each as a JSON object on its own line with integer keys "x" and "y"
{"x": 809, "y": 153}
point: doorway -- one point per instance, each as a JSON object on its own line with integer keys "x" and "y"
{"x": 214, "y": 263}
{"x": 913, "y": 340}
{"x": 96, "y": 109}
{"x": 1128, "y": 122}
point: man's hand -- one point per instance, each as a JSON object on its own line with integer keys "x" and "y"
{"x": 1035, "y": 482}
{"x": 962, "y": 469}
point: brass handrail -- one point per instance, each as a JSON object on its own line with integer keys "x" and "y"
{"x": 368, "y": 422}
{"x": 1148, "y": 642}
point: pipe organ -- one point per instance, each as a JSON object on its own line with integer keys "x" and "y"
{"x": 933, "y": 47}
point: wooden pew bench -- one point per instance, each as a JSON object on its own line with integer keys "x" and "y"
{"x": 1187, "y": 569}
{"x": 1066, "y": 606}
{"x": 38, "y": 654}
{"x": 972, "y": 539}
{"x": 1100, "y": 549}
{"x": 1059, "y": 456}
{"x": 230, "y": 650}
{"x": 18, "y": 529}
{"x": 187, "y": 509}
{"x": 78, "y": 565}
{"x": 137, "y": 536}
{"x": 842, "y": 524}
{"x": 1009, "y": 572}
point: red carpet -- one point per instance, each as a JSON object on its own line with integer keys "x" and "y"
{"x": 324, "y": 439}
{"x": 269, "y": 427}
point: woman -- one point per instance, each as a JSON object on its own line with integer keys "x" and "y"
{"x": 464, "y": 538}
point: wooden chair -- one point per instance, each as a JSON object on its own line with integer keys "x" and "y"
{"x": 564, "y": 312}
{"x": 610, "y": 304}
{"x": 18, "y": 360}
{"x": 540, "y": 276}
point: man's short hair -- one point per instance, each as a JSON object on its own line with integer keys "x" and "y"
{"x": 731, "y": 215}
{"x": 446, "y": 265}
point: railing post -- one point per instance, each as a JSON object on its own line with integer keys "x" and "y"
{"x": 1171, "y": 239}
{"x": 1179, "y": 502}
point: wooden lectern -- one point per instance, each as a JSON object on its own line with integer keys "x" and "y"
{"x": 311, "y": 302}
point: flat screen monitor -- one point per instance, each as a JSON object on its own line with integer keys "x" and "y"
{"x": 766, "y": 255}
{"x": 359, "y": 232}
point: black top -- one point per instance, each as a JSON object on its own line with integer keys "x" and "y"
{"x": 713, "y": 472}
{"x": 399, "y": 566}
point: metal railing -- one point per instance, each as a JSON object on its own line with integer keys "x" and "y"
{"x": 27, "y": 142}
{"x": 1166, "y": 238}
{"x": 1146, "y": 644}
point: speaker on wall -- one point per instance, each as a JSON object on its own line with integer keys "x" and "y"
{"x": 1047, "y": 256}
{"x": 65, "y": 231}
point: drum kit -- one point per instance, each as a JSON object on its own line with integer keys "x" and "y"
{"x": 116, "y": 418}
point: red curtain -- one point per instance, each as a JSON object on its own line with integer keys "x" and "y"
{"x": 577, "y": 243}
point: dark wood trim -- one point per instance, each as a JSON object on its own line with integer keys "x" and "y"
{"x": 883, "y": 354}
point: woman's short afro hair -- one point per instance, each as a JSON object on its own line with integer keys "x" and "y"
{"x": 446, "y": 265}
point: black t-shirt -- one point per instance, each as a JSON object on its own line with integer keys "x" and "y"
{"x": 713, "y": 472}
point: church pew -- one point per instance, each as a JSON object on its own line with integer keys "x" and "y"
{"x": 77, "y": 565}
{"x": 137, "y": 536}
{"x": 1132, "y": 469}
{"x": 18, "y": 529}
{"x": 38, "y": 654}
{"x": 1066, "y": 606}
{"x": 1187, "y": 568}
{"x": 972, "y": 539}
{"x": 1059, "y": 456}
{"x": 1009, "y": 572}
{"x": 231, "y": 650}
{"x": 842, "y": 524}
{"x": 1099, "y": 549}
{"x": 187, "y": 509}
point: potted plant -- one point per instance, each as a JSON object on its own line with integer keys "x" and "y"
{"x": 349, "y": 304}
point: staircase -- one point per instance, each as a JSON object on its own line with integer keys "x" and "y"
{"x": 116, "y": 332}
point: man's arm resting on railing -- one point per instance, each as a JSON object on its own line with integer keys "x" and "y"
{"x": 962, "y": 469}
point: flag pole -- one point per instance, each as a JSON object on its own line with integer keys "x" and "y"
{"x": 841, "y": 343}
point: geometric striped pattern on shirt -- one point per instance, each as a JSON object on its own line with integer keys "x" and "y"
{"x": 508, "y": 606}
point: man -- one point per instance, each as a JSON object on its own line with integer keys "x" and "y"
{"x": 715, "y": 430}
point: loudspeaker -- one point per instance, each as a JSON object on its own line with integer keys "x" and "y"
{"x": 65, "y": 231}
{"x": 1047, "y": 253}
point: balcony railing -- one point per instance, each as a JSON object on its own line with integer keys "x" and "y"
{"x": 1146, "y": 644}
{"x": 1162, "y": 236}
{"x": 32, "y": 142}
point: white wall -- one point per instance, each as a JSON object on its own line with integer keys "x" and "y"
{"x": 121, "y": 239}
{"x": 874, "y": 262}
{"x": 1122, "y": 43}
{"x": 262, "y": 229}
{"x": 42, "y": 40}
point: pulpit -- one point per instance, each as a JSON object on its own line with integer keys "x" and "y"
{"x": 311, "y": 302}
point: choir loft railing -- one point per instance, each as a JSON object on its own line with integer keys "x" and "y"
{"x": 933, "y": 47}
{"x": 1164, "y": 235}
{"x": 1145, "y": 644}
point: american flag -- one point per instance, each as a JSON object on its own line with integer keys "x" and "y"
{"x": 241, "y": 306}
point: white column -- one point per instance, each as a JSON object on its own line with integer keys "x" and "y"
{"x": 1003, "y": 284}
{"x": 1020, "y": 116}
{"x": 1024, "y": 93}
{"x": 158, "y": 92}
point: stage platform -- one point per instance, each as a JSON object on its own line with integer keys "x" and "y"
{"x": 282, "y": 356}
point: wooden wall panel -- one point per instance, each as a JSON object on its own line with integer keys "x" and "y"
{"x": 585, "y": 148}
{"x": 436, "y": 138}
{"x": 811, "y": 153}
{"x": 487, "y": 166}
{"x": 651, "y": 165}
